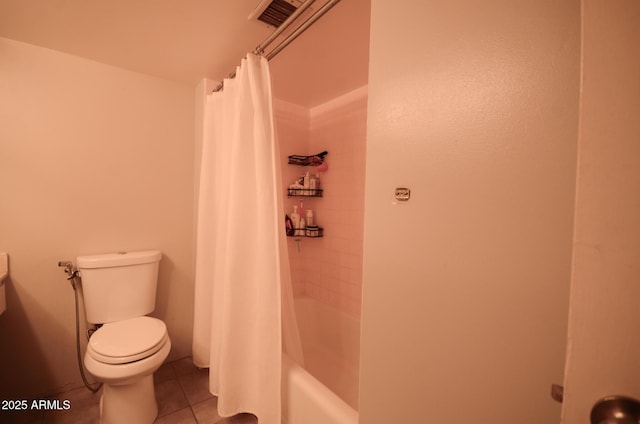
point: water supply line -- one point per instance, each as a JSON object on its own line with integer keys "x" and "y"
{"x": 74, "y": 278}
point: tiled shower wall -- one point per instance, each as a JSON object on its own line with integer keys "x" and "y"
{"x": 328, "y": 269}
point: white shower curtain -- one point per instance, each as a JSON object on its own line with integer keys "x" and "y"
{"x": 243, "y": 297}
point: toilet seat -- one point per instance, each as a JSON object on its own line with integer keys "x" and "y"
{"x": 127, "y": 341}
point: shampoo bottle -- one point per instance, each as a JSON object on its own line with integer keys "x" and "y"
{"x": 295, "y": 220}
{"x": 309, "y": 218}
{"x": 306, "y": 184}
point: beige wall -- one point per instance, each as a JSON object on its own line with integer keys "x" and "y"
{"x": 474, "y": 107}
{"x": 604, "y": 326}
{"x": 93, "y": 159}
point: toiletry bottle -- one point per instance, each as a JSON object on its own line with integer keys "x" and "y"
{"x": 309, "y": 218}
{"x": 306, "y": 184}
{"x": 288, "y": 225}
{"x": 295, "y": 219}
{"x": 317, "y": 178}
{"x": 295, "y": 189}
{"x": 303, "y": 227}
{"x": 312, "y": 186}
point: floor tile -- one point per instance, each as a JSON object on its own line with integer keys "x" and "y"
{"x": 170, "y": 397}
{"x": 164, "y": 373}
{"x": 206, "y": 412}
{"x": 29, "y": 416}
{"x": 84, "y": 408}
{"x": 239, "y": 419}
{"x": 183, "y": 416}
{"x": 196, "y": 385}
{"x": 184, "y": 366}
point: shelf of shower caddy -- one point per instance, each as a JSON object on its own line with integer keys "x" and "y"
{"x": 307, "y": 160}
{"x": 304, "y": 192}
{"x": 317, "y": 233}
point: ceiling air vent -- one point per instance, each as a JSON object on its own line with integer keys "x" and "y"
{"x": 274, "y": 12}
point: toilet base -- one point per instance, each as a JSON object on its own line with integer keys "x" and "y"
{"x": 129, "y": 403}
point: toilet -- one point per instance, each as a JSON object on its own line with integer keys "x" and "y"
{"x": 119, "y": 290}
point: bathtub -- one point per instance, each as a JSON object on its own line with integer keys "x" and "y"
{"x": 326, "y": 390}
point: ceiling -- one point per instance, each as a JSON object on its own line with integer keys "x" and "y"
{"x": 189, "y": 40}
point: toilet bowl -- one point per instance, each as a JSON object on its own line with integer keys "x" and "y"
{"x": 123, "y": 355}
{"x": 119, "y": 290}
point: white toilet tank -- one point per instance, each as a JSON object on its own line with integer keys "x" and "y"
{"x": 119, "y": 286}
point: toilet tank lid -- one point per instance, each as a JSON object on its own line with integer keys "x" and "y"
{"x": 108, "y": 260}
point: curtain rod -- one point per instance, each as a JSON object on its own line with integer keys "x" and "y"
{"x": 295, "y": 34}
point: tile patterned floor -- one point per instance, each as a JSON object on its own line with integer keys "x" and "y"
{"x": 181, "y": 390}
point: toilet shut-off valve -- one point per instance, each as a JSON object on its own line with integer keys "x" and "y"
{"x": 70, "y": 270}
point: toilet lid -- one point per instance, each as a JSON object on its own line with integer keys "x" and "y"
{"x": 127, "y": 341}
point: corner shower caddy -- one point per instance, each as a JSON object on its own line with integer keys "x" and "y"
{"x": 313, "y": 160}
